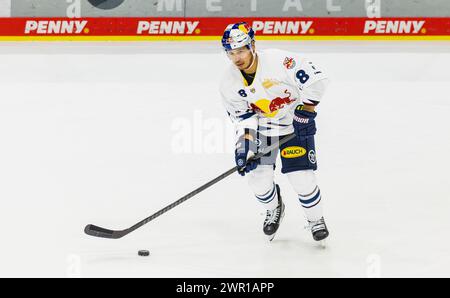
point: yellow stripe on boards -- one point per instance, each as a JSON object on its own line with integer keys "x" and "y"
{"x": 206, "y": 38}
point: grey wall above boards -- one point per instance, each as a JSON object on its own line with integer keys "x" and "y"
{"x": 231, "y": 8}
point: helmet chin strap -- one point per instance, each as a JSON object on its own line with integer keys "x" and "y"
{"x": 253, "y": 60}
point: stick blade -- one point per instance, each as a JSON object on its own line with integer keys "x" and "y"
{"x": 95, "y": 231}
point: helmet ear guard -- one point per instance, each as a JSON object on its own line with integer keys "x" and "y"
{"x": 251, "y": 47}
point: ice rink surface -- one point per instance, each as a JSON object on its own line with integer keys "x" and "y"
{"x": 109, "y": 133}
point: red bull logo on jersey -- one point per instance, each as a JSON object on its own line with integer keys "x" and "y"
{"x": 394, "y": 27}
{"x": 293, "y": 152}
{"x": 270, "y": 108}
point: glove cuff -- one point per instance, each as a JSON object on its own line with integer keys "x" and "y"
{"x": 300, "y": 112}
{"x": 244, "y": 145}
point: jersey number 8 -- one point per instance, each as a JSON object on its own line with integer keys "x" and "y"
{"x": 242, "y": 93}
{"x": 302, "y": 76}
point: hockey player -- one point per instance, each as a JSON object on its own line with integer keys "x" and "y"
{"x": 269, "y": 94}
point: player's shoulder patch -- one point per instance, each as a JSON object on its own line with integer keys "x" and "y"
{"x": 289, "y": 62}
{"x": 282, "y": 59}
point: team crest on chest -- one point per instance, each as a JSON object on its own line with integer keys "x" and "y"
{"x": 289, "y": 63}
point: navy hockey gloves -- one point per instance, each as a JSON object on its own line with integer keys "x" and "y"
{"x": 304, "y": 123}
{"x": 245, "y": 149}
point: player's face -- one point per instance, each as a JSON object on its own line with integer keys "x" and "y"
{"x": 241, "y": 57}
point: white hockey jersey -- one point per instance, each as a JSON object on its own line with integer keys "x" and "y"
{"x": 283, "y": 80}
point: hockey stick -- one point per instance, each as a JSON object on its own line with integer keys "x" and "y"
{"x": 96, "y": 231}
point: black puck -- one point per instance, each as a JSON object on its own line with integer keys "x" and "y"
{"x": 144, "y": 253}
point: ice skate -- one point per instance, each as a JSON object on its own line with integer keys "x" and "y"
{"x": 274, "y": 217}
{"x": 319, "y": 230}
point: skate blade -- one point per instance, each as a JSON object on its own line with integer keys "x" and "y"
{"x": 323, "y": 244}
{"x": 271, "y": 237}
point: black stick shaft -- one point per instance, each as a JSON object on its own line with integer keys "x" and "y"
{"x": 183, "y": 199}
{"x": 100, "y": 232}
{"x": 209, "y": 184}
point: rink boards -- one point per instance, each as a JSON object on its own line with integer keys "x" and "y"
{"x": 207, "y": 28}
